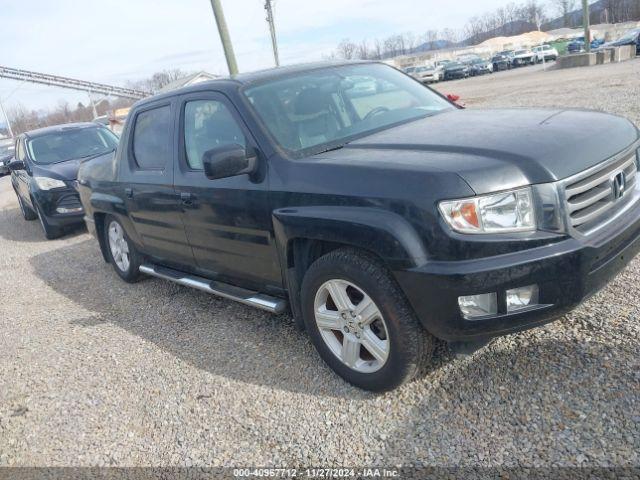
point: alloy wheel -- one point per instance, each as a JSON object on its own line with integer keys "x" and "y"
{"x": 351, "y": 325}
{"x": 119, "y": 246}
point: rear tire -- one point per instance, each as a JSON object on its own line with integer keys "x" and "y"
{"x": 121, "y": 251}
{"x": 50, "y": 232}
{"x": 400, "y": 348}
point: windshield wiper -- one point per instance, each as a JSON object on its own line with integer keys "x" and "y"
{"x": 94, "y": 155}
{"x": 331, "y": 149}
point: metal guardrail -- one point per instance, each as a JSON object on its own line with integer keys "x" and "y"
{"x": 72, "y": 83}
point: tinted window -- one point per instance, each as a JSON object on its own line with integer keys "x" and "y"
{"x": 71, "y": 144}
{"x": 152, "y": 138}
{"x": 208, "y": 124}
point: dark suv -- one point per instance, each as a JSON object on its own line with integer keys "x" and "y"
{"x": 44, "y": 171}
{"x": 381, "y": 219}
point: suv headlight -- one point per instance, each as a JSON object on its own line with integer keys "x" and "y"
{"x": 509, "y": 211}
{"x": 46, "y": 183}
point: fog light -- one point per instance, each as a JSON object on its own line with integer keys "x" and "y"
{"x": 473, "y": 306}
{"x": 68, "y": 210}
{"x": 519, "y": 298}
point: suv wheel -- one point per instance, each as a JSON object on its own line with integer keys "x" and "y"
{"x": 50, "y": 232}
{"x": 27, "y": 213}
{"x": 361, "y": 323}
{"x": 121, "y": 251}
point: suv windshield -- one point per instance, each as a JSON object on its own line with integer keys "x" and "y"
{"x": 316, "y": 110}
{"x": 71, "y": 144}
{"x": 6, "y": 149}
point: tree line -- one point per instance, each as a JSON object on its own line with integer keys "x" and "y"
{"x": 512, "y": 19}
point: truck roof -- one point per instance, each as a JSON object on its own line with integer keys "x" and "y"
{"x": 242, "y": 79}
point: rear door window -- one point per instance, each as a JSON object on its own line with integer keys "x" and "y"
{"x": 152, "y": 138}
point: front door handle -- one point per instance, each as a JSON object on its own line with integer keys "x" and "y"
{"x": 128, "y": 192}
{"x": 187, "y": 199}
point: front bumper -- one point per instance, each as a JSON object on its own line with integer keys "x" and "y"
{"x": 60, "y": 206}
{"x": 432, "y": 77}
{"x": 456, "y": 74}
{"x": 566, "y": 272}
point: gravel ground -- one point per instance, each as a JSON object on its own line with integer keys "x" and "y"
{"x": 97, "y": 372}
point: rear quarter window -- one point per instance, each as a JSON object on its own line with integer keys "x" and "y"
{"x": 152, "y": 138}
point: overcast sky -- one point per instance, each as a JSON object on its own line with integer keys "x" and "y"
{"x": 118, "y": 40}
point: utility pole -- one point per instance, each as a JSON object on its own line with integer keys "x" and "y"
{"x": 272, "y": 29}
{"x": 4, "y": 114}
{"x": 224, "y": 37}
{"x": 587, "y": 29}
{"x": 93, "y": 105}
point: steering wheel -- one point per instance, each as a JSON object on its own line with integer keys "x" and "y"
{"x": 374, "y": 112}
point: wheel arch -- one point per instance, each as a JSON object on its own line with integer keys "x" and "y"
{"x": 103, "y": 205}
{"x": 305, "y": 234}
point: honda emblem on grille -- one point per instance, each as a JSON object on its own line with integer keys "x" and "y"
{"x": 619, "y": 185}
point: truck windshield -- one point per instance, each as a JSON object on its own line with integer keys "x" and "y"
{"x": 71, "y": 144}
{"x": 322, "y": 109}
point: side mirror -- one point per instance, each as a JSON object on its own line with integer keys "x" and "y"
{"x": 228, "y": 161}
{"x": 15, "y": 165}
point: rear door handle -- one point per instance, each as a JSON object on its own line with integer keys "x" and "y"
{"x": 187, "y": 199}
{"x": 128, "y": 192}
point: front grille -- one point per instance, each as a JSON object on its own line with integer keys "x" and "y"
{"x": 591, "y": 197}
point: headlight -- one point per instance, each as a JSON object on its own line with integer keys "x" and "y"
{"x": 46, "y": 183}
{"x": 503, "y": 212}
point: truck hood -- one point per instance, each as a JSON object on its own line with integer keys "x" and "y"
{"x": 503, "y": 148}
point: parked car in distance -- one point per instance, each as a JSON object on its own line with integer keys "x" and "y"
{"x": 523, "y": 57}
{"x": 509, "y": 54}
{"x": 478, "y": 66}
{"x": 630, "y": 38}
{"x": 577, "y": 45}
{"x": 501, "y": 62}
{"x": 45, "y": 167}
{"x": 428, "y": 73}
{"x": 7, "y": 146}
{"x": 454, "y": 70}
{"x": 544, "y": 53}
{"x": 381, "y": 222}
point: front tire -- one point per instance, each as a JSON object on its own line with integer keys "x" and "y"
{"x": 121, "y": 251}
{"x": 50, "y": 232}
{"x": 360, "y": 322}
{"x": 27, "y": 213}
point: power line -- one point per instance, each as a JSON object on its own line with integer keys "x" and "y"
{"x": 71, "y": 83}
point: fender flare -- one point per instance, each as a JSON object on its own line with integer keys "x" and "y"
{"x": 381, "y": 232}
{"x": 106, "y": 204}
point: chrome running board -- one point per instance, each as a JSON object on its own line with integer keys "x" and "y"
{"x": 247, "y": 297}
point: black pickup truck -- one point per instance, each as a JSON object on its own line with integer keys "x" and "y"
{"x": 379, "y": 213}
